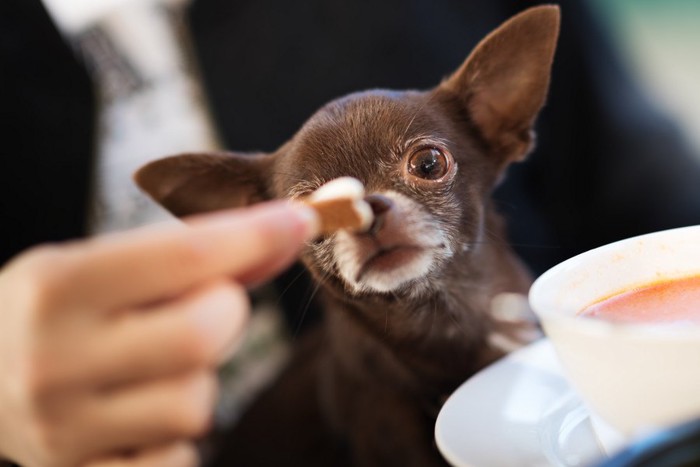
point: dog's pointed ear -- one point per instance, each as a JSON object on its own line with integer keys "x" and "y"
{"x": 503, "y": 83}
{"x": 193, "y": 183}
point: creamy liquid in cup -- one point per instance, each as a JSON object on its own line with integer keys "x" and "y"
{"x": 668, "y": 301}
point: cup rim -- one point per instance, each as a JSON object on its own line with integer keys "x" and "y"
{"x": 600, "y": 327}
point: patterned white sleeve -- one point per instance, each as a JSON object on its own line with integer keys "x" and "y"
{"x": 151, "y": 103}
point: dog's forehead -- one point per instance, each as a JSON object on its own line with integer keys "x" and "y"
{"x": 360, "y": 128}
{"x": 372, "y": 116}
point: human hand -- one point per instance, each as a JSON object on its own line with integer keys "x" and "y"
{"x": 109, "y": 347}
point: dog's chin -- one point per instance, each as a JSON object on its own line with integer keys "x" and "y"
{"x": 386, "y": 270}
{"x": 393, "y": 270}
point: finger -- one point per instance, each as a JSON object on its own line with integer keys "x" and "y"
{"x": 177, "y": 454}
{"x": 148, "y": 414}
{"x": 268, "y": 270}
{"x": 194, "y": 331}
{"x": 198, "y": 332}
{"x": 151, "y": 264}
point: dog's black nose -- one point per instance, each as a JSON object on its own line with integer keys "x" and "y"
{"x": 380, "y": 205}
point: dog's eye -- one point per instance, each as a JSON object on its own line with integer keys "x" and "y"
{"x": 428, "y": 163}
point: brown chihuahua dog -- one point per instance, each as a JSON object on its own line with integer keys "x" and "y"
{"x": 408, "y": 305}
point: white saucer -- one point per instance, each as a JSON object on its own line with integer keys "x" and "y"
{"x": 521, "y": 412}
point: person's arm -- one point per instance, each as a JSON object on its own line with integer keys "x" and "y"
{"x": 109, "y": 346}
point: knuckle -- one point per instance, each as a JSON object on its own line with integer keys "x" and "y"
{"x": 48, "y": 438}
{"x": 192, "y": 422}
{"x": 182, "y": 454}
{"x": 190, "y": 255}
{"x": 201, "y": 340}
{"x": 44, "y": 275}
{"x": 233, "y": 296}
{"x": 33, "y": 379}
{"x": 44, "y": 257}
{"x": 196, "y": 347}
{"x": 193, "y": 418}
{"x": 195, "y": 342}
{"x": 36, "y": 381}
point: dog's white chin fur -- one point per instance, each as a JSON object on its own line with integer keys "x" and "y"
{"x": 389, "y": 281}
{"x": 346, "y": 257}
{"x": 349, "y": 259}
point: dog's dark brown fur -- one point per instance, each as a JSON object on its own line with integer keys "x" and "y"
{"x": 365, "y": 388}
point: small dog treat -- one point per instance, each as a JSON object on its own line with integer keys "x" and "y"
{"x": 340, "y": 205}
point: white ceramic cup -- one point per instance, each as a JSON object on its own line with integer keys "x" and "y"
{"x": 636, "y": 377}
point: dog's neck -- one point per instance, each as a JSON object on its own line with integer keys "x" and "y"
{"x": 433, "y": 341}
